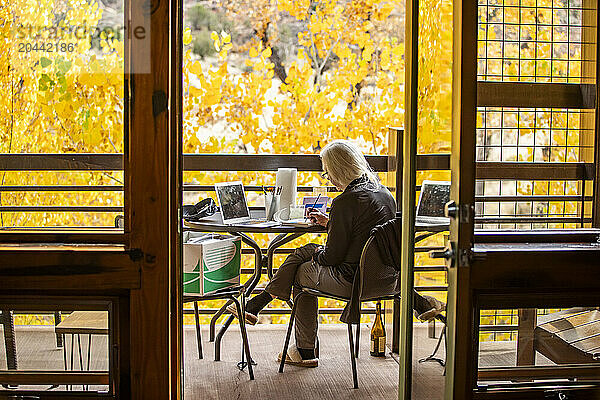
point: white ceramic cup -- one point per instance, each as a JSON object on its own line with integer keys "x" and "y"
{"x": 282, "y": 215}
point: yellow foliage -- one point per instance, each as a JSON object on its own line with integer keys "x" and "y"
{"x": 58, "y": 95}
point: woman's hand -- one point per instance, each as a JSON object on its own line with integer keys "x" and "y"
{"x": 317, "y": 217}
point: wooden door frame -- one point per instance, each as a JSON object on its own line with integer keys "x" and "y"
{"x": 460, "y": 360}
{"x": 176, "y": 183}
{"x": 407, "y": 197}
{"x": 473, "y": 277}
{"x": 153, "y": 173}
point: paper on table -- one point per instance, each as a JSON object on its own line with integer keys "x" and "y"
{"x": 299, "y": 222}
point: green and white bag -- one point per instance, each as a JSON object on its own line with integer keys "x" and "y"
{"x": 210, "y": 262}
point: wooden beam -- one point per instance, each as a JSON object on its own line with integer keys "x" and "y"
{"x": 463, "y": 320}
{"x": 149, "y": 188}
{"x": 394, "y": 182}
{"x": 536, "y": 95}
{"x": 61, "y": 188}
{"x": 264, "y": 162}
{"x": 394, "y": 166}
{"x": 122, "y": 341}
{"x": 525, "y": 336}
{"x": 533, "y": 171}
{"x": 536, "y": 197}
{"x": 539, "y": 372}
{"x": 192, "y": 162}
{"x": 45, "y": 209}
{"x": 538, "y": 236}
{"x": 571, "y": 390}
{"x": 515, "y": 268}
{"x": 53, "y": 378}
{"x": 548, "y": 297}
{"x": 40, "y": 303}
{"x": 176, "y": 199}
{"x": 407, "y": 198}
{"x": 57, "y": 235}
{"x": 270, "y": 162}
{"x": 61, "y": 162}
{"x": 67, "y": 267}
{"x": 530, "y": 220}
{"x": 431, "y": 162}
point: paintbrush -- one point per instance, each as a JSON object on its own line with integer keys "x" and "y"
{"x": 313, "y": 206}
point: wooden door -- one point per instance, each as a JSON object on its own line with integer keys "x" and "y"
{"x": 508, "y": 270}
{"x": 132, "y": 273}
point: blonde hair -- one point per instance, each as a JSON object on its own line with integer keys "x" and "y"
{"x": 344, "y": 162}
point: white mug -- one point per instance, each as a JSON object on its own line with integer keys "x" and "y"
{"x": 282, "y": 215}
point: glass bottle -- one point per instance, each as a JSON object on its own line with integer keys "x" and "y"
{"x": 378, "y": 334}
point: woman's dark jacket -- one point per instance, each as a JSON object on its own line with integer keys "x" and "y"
{"x": 354, "y": 213}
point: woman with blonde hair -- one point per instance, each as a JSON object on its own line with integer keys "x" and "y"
{"x": 363, "y": 204}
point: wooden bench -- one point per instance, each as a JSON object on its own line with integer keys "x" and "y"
{"x": 570, "y": 336}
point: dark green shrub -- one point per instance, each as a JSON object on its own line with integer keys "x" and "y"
{"x": 201, "y": 18}
{"x": 202, "y": 44}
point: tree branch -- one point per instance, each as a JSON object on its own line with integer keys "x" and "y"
{"x": 278, "y": 68}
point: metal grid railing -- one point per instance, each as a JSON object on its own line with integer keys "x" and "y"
{"x": 532, "y": 40}
{"x": 498, "y": 192}
{"x": 535, "y": 204}
{"x": 544, "y": 42}
{"x": 44, "y": 164}
{"x": 538, "y": 135}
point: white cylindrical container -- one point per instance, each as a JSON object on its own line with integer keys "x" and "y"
{"x": 287, "y": 180}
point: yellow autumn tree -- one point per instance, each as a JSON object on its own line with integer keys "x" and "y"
{"x": 345, "y": 79}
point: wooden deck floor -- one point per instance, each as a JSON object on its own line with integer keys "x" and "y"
{"x": 206, "y": 379}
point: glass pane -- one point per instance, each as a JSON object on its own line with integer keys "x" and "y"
{"x": 433, "y": 136}
{"x": 286, "y": 78}
{"x": 62, "y": 91}
{"x": 54, "y": 336}
{"x": 533, "y": 135}
{"x": 281, "y": 78}
{"x": 429, "y": 342}
{"x": 543, "y": 339}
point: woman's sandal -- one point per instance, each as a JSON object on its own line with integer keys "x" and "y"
{"x": 293, "y": 357}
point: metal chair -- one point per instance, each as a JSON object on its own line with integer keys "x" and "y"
{"x": 383, "y": 283}
{"x": 432, "y": 356}
{"x": 7, "y": 322}
{"x": 231, "y": 294}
